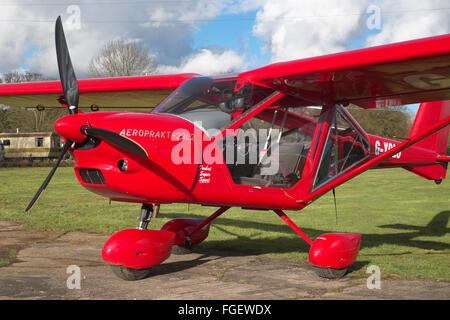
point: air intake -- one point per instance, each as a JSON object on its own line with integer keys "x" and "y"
{"x": 92, "y": 176}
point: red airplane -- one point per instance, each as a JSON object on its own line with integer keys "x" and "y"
{"x": 275, "y": 138}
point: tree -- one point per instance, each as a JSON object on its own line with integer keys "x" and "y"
{"x": 122, "y": 58}
{"x": 16, "y": 76}
{"x": 26, "y": 120}
{"x": 392, "y": 122}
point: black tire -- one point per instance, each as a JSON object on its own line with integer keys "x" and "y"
{"x": 186, "y": 248}
{"x": 130, "y": 274}
{"x": 330, "y": 273}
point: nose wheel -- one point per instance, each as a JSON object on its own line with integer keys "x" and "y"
{"x": 330, "y": 273}
{"x": 133, "y": 252}
{"x": 130, "y": 274}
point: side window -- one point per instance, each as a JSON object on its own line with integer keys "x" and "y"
{"x": 345, "y": 147}
{"x": 270, "y": 149}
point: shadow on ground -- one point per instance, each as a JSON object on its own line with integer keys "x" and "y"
{"x": 437, "y": 227}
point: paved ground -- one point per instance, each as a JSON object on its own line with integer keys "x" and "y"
{"x": 40, "y": 272}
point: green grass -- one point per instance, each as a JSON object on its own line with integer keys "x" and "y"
{"x": 10, "y": 258}
{"x": 403, "y": 219}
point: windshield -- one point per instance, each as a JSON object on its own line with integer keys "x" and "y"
{"x": 190, "y": 95}
{"x": 202, "y": 99}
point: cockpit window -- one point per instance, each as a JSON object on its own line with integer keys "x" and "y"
{"x": 271, "y": 149}
{"x": 188, "y": 96}
{"x": 204, "y": 101}
{"x": 344, "y": 148}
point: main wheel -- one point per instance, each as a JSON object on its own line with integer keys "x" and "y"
{"x": 130, "y": 274}
{"x": 185, "y": 248}
{"x": 330, "y": 273}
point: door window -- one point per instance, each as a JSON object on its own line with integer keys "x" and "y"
{"x": 345, "y": 147}
{"x": 270, "y": 149}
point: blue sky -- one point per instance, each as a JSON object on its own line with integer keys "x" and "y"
{"x": 234, "y": 31}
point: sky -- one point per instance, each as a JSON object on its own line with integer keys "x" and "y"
{"x": 209, "y": 36}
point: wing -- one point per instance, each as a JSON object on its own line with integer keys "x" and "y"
{"x": 107, "y": 93}
{"x": 396, "y": 74}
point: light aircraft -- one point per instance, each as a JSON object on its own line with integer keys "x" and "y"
{"x": 275, "y": 138}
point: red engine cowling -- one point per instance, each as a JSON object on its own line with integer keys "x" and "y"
{"x": 138, "y": 249}
{"x": 182, "y": 227}
{"x": 334, "y": 250}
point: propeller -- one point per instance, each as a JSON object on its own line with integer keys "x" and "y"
{"x": 71, "y": 96}
{"x": 73, "y": 127}
{"x": 72, "y": 93}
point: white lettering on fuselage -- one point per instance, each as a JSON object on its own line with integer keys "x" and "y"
{"x": 386, "y": 147}
{"x": 144, "y": 133}
{"x": 205, "y": 174}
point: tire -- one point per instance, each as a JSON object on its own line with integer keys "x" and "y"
{"x": 183, "y": 249}
{"x": 130, "y": 274}
{"x": 330, "y": 273}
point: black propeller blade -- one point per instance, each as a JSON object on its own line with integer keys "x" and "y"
{"x": 47, "y": 180}
{"x": 115, "y": 139}
{"x": 71, "y": 95}
{"x": 66, "y": 72}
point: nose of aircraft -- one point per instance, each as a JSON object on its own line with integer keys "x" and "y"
{"x": 70, "y": 127}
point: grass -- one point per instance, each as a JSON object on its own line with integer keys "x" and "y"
{"x": 10, "y": 258}
{"x": 403, "y": 219}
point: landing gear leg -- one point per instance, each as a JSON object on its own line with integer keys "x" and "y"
{"x": 330, "y": 254}
{"x": 190, "y": 231}
{"x": 146, "y": 216}
{"x": 155, "y": 211}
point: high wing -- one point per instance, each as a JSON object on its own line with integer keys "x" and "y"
{"x": 395, "y": 74}
{"x": 107, "y": 93}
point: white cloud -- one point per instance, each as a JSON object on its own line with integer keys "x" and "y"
{"x": 27, "y": 37}
{"x": 411, "y": 19}
{"x": 190, "y": 13}
{"x": 207, "y": 62}
{"x": 164, "y": 26}
{"x": 83, "y": 45}
{"x": 295, "y": 29}
{"x": 14, "y": 41}
{"x": 290, "y": 29}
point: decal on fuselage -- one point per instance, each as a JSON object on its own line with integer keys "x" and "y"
{"x": 205, "y": 174}
{"x": 386, "y": 147}
{"x": 145, "y": 133}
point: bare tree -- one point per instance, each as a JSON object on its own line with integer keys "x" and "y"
{"x": 16, "y": 76}
{"x": 17, "y": 117}
{"x": 122, "y": 58}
